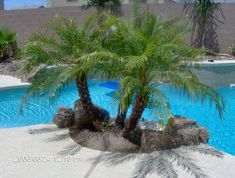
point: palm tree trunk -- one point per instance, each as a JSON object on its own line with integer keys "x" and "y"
{"x": 84, "y": 94}
{"x": 137, "y": 111}
{"x": 87, "y": 104}
{"x": 120, "y": 118}
{"x": 200, "y": 36}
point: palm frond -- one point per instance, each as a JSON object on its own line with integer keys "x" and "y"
{"x": 114, "y": 159}
{"x": 189, "y": 85}
{"x": 59, "y": 137}
{"x": 72, "y": 149}
{"x": 43, "y": 130}
{"x": 139, "y": 12}
{"x": 90, "y": 24}
{"x": 162, "y": 163}
{"x": 102, "y": 65}
{"x": 155, "y": 163}
{"x": 204, "y": 149}
{"x": 158, "y": 103}
{"x": 183, "y": 160}
{"x": 136, "y": 62}
{"x": 35, "y": 55}
{"x": 50, "y": 82}
{"x": 129, "y": 85}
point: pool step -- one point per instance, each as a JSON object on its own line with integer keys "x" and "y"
{"x": 232, "y": 85}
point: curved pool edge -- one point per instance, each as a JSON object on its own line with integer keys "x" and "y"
{"x": 9, "y": 82}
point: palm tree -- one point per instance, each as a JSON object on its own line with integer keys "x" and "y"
{"x": 151, "y": 53}
{"x": 205, "y": 18}
{"x": 65, "y": 47}
{"x": 115, "y": 37}
{"x": 8, "y": 45}
{"x": 140, "y": 9}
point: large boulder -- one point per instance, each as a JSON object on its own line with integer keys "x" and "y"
{"x": 183, "y": 132}
{"x": 181, "y": 122}
{"x": 64, "y": 117}
{"x": 82, "y": 120}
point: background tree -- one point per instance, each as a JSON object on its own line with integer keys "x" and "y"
{"x": 103, "y": 5}
{"x": 205, "y": 16}
{"x": 8, "y": 45}
{"x": 140, "y": 9}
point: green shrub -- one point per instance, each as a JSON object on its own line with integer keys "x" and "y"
{"x": 233, "y": 49}
{"x": 8, "y": 45}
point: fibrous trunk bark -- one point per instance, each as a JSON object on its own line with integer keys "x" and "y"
{"x": 120, "y": 120}
{"x": 200, "y": 36}
{"x": 87, "y": 104}
{"x": 137, "y": 111}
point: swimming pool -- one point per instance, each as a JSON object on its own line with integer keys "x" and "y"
{"x": 38, "y": 111}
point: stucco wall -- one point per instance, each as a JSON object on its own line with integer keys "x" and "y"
{"x": 60, "y": 3}
{"x": 24, "y": 22}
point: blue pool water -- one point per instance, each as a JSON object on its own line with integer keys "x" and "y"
{"x": 38, "y": 111}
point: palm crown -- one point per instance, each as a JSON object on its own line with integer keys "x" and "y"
{"x": 151, "y": 53}
{"x": 61, "y": 54}
{"x": 8, "y": 44}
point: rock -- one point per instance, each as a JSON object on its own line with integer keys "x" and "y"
{"x": 156, "y": 140}
{"x": 188, "y": 128}
{"x": 64, "y": 117}
{"x": 150, "y": 125}
{"x": 12, "y": 67}
{"x": 184, "y": 132}
{"x": 102, "y": 113}
{"x": 81, "y": 119}
{"x": 204, "y": 135}
{"x": 192, "y": 135}
{"x": 180, "y": 122}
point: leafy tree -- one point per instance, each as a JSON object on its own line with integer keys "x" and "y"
{"x": 151, "y": 53}
{"x": 102, "y": 5}
{"x": 63, "y": 50}
{"x": 205, "y": 18}
{"x": 8, "y": 46}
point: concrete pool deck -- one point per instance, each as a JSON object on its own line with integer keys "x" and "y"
{"x": 35, "y": 152}
{"x": 7, "y": 81}
{"x": 36, "y": 156}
